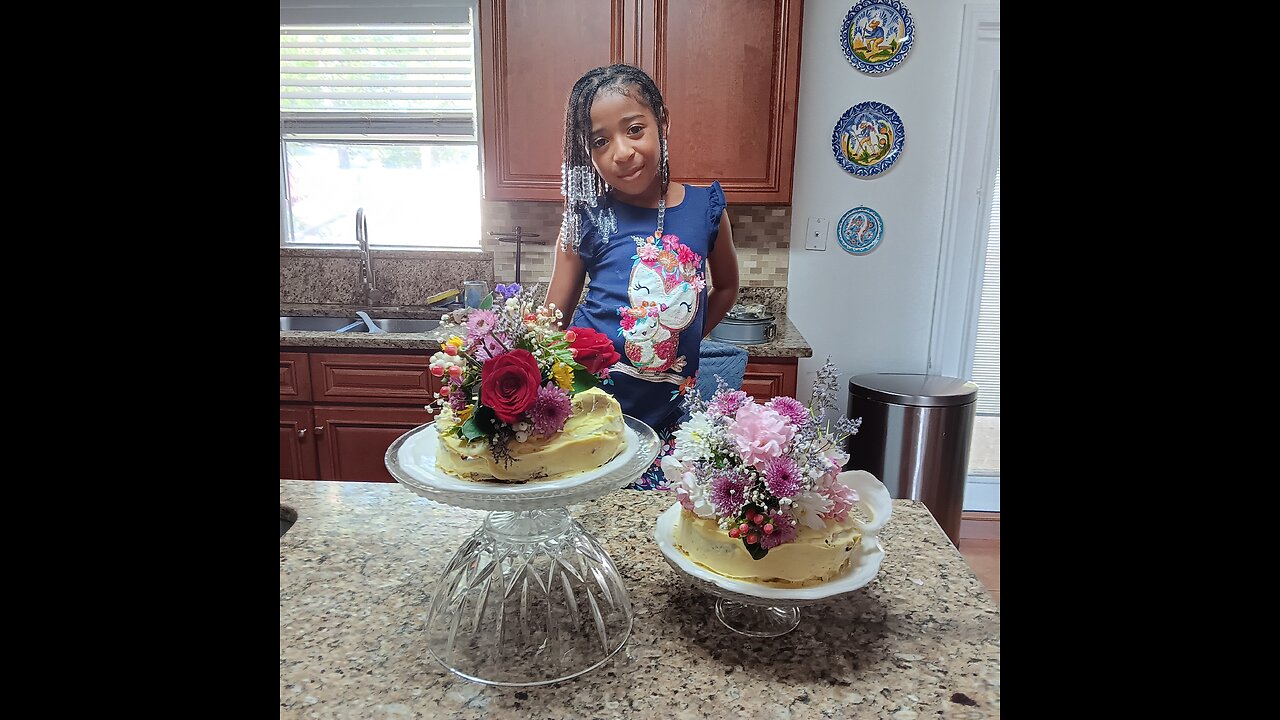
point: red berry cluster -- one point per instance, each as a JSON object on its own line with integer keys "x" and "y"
{"x": 752, "y": 525}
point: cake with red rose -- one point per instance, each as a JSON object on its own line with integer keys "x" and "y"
{"x": 520, "y": 399}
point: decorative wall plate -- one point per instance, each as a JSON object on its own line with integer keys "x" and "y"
{"x": 860, "y": 230}
{"x": 877, "y": 35}
{"x": 868, "y": 139}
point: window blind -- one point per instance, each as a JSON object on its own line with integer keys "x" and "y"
{"x": 348, "y": 72}
{"x": 986, "y": 354}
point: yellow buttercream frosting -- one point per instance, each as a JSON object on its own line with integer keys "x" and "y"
{"x": 814, "y": 557}
{"x": 592, "y": 436}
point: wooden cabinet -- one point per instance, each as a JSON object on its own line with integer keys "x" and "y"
{"x": 766, "y": 378}
{"x": 339, "y": 412}
{"x": 729, "y": 71}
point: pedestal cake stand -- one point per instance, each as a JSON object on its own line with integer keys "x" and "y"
{"x": 531, "y": 598}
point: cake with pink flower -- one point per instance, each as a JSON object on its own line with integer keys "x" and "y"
{"x": 761, "y": 489}
{"x": 520, "y": 399}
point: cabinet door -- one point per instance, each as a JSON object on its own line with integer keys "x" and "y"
{"x": 353, "y": 441}
{"x": 769, "y": 378}
{"x": 730, "y": 72}
{"x": 297, "y": 444}
{"x": 295, "y": 377}
{"x": 372, "y": 379}
{"x": 531, "y": 53}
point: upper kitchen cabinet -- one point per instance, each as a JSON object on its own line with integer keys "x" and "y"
{"x": 729, "y": 71}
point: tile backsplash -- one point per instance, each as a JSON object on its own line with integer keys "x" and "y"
{"x": 315, "y": 278}
{"x": 761, "y": 234}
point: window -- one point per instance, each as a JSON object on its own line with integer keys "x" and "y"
{"x": 378, "y": 111}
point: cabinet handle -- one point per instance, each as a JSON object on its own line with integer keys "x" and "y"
{"x": 302, "y": 434}
{"x": 319, "y": 431}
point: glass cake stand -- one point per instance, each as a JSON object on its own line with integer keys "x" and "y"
{"x": 531, "y": 598}
{"x": 764, "y": 611}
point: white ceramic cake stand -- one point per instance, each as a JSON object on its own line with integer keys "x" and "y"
{"x": 530, "y": 598}
{"x": 764, "y": 611}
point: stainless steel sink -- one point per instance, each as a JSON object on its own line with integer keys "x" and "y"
{"x": 406, "y": 325}
{"x": 323, "y": 324}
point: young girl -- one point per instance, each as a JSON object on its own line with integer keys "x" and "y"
{"x": 660, "y": 256}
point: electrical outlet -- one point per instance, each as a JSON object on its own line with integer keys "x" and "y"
{"x": 816, "y": 234}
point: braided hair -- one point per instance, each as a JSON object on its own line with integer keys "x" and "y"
{"x": 579, "y": 182}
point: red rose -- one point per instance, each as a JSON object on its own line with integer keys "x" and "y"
{"x": 510, "y": 383}
{"x": 593, "y": 350}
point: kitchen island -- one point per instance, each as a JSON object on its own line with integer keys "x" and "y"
{"x": 358, "y": 567}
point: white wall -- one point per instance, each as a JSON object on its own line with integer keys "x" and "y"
{"x": 872, "y": 313}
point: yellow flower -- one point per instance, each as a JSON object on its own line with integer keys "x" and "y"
{"x": 465, "y": 413}
{"x": 563, "y": 375}
{"x": 454, "y": 341}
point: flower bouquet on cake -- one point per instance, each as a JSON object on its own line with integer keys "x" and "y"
{"x": 763, "y": 496}
{"x": 520, "y": 397}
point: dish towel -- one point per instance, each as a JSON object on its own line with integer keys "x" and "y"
{"x": 723, "y": 359}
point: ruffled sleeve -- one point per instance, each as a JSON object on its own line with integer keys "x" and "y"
{"x": 715, "y": 209}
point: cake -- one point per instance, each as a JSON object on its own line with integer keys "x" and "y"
{"x": 519, "y": 399}
{"x": 763, "y": 495}
{"x": 815, "y": 556}
{"x": 592, "y": 436}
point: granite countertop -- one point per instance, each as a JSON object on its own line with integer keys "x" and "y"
{"x": 787, "y": 342}
{"x": 358, "y": 568}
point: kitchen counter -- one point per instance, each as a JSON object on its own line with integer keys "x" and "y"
{"x": 787, "y": 342}
{"x": 358, "y": 568}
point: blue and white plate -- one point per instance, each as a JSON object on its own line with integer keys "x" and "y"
{"x": 877, "y": 35}
{"x": 868, "y": 139}
{"x": 860, "y": 230}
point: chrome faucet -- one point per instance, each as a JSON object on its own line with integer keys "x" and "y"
{"x": 372, "y": 295}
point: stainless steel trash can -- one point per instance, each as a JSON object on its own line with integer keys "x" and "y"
{"x": 915, "y": 437}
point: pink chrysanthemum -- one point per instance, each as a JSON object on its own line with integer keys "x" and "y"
{"x": 728, "y": 493}
{"x": 784, "y": 530}
{"x": 728, "y": 403}
{"x": 791, "y": 409}
{"x": 481, "y": 322}
{"x": 489, "y": 345}
{"x": 782, "y": 477}
{"x": 842, "y": 497}
{"x": 550, "y": 410}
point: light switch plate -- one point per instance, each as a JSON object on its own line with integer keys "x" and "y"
{"x": 816, "y": 234}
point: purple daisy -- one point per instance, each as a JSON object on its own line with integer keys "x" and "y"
{"x": 782, "y": 476}
{"x": 784, "y": 530}
{"x": 728, "y": 493}
{"x": 729, "y": 402}
{"x": 508, "y": 291}
{"x": 550, "y": 410}
{"x": 791, "y": 409}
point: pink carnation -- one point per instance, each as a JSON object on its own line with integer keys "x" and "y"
{"x": 649, "y": 252}
{"x": 686, "y": 256}
{"x": 842, "y": 497}
{"x": 760, "y": 434}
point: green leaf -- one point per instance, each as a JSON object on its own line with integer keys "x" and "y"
{"x": 583, "y": 380}
{"x": 471, "y": 429}
{"x": 487, "y": 302}
{"x": 756, "y": 551}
